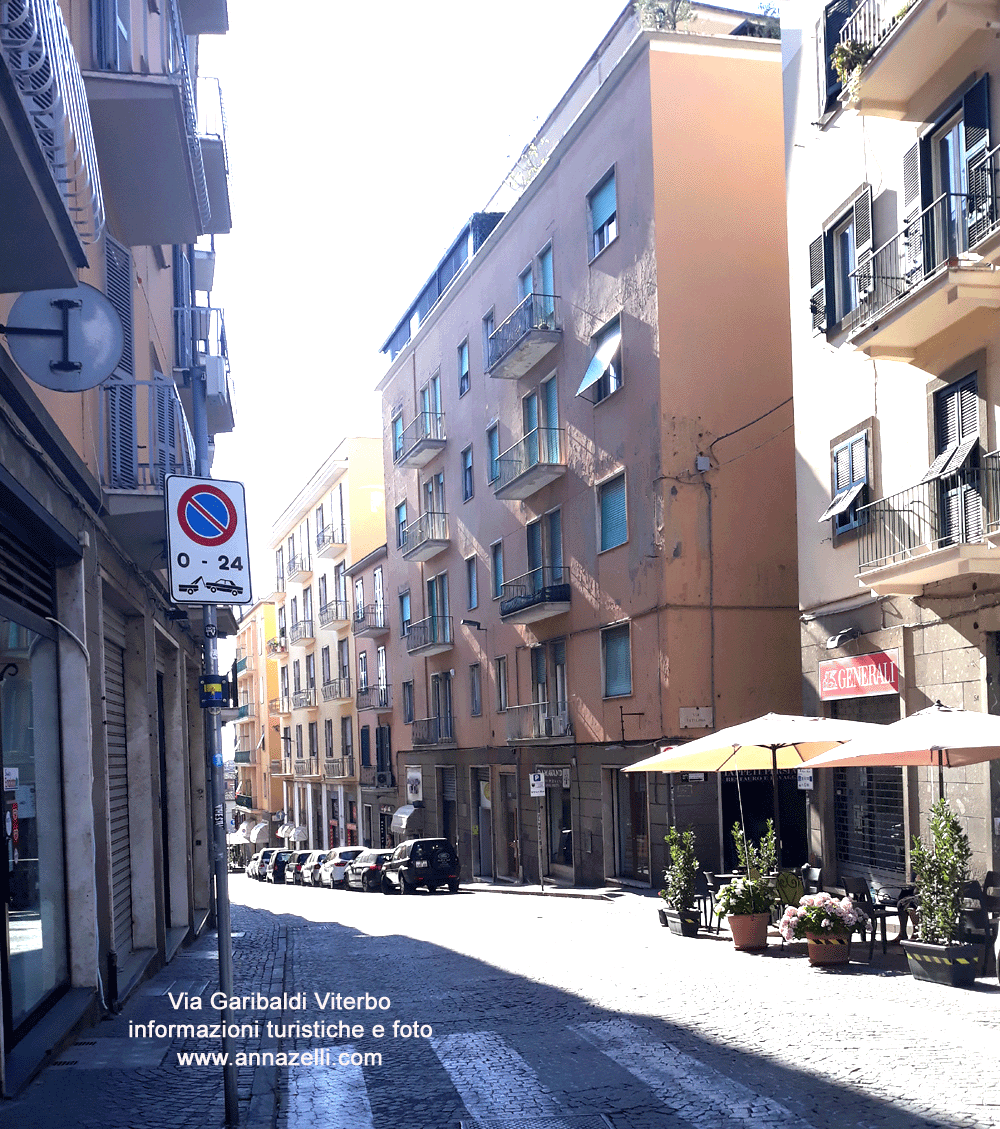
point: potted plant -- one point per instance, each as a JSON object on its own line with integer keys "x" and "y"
{"x": 826, "y": 923}
{"x": 848, "y": 60}
{"x": 680, "y": 915}
{"x": 941, "y": 868}
{"x": 747, "y": 902}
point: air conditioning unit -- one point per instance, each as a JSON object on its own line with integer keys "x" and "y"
{"x": 383, "y": 779}
{"x": 215, "y": 378}
{"x": 547, "y": 726}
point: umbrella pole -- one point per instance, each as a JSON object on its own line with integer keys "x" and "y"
{"x": 777, "y": 806}
{"x": 739, "y": 796}
{"x": 940, "y": 754}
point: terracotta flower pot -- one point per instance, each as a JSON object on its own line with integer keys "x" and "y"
{"x": 749, "y": 930}
{"x": 828, "y": 949}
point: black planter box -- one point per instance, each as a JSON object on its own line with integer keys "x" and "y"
{"x": 955, "y": 965}
{"x": 684, "y": 924}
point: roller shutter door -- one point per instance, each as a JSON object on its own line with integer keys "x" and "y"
{"x": 121, "y": 848}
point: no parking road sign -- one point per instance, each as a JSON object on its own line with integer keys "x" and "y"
{"x": 207, "y": 547}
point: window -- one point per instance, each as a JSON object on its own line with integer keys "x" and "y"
{"x": 328, "y": 737}
{"x": 310, "y": 672}
{"x": 404, "y": 613}
{"x": 463, "y": 367}
{"x": 613, "y": 512}
{"x": 616, "y": 660}
{"x": 603, "y": 206}
{"x": 467, "y": 480}
{"x": 472, "y": 582}
{"x": 320, "y": 526}
{"x": 293, "y": 605}
{"x": 840, "y": 266}
{"x": 604, "y": 373}
{"x": 488, "y": 328}
{"x": 493, "y": 453}
{"x": 359, "y": 598}
{"x": 363, "y": 670}
{"x": 547, "y": 297}
{"x": 324, "y": 661}
{"x": 524, "y": 285}
{"x": 298, "y": 743}
{"x": 321, "y": 591}
{"x": 835, "y": 15}
{"x": 501, "y": 683}
{"x": 956, "y": 467}
{"x": 850, "y": 477}
{"x": 475, "y": 690}
{"x": 401, "y": 525}
{"x": 296, "y": 676}
{"x": 314, "y": 739}
{"x": 346, "y": 737}
{"x": 397, "y": 438}
{"x": 496, "y": 561}
{"x": 408, "y": 702}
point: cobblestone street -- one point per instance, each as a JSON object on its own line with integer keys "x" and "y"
{"x": 531, "y": 1012}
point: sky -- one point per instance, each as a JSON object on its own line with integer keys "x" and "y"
{"x": 361, "y": 138}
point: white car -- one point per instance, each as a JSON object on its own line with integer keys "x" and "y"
{"x": 251, "y": 867}
{"x": 311, "y": 868}
{"x": 332, "y": 871}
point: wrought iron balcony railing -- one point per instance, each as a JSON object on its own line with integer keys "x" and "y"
{"x": 336, "y": 689}
{"x": 425, "y": 430}
{"x": 541, "y": 446}
{"x": 144, "y": 435}
{"x": 376, "y": 776}
{"x": 39, "y": 55}
{"x": 298, "y": 566}
{"x": 306, "y": 767}
{"x": 245, "y": 802}
{"x": 369, "y": 620}
{"x": 246, "y": 710}
{"x": 375, "y": 698}
{"x": 245, "y": 756}
{"x": 334, "y": 611}
{"x": 547, "y": 585}
{"x": 300, "y": 630}
{"x": 536, "y": 312}
{"x": 277, "y": 646}
{"x": 953, "y": 225}
{"x": 434, "y": 631}
{"x": 338, "y": 768}
{"x": 429, "y": 527}
{"x": 331, "y": 536}
{"x": 538, "y": 721}
{"x": 432, "y": 730}
{"x": 304, "y": 699}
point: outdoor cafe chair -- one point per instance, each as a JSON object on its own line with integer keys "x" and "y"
{"x": 812, "y": 878}
{"x": 704, "y": 898}
{"x": 975, "y": 925}
{"x": 712, "y": 882}
{"x": 858, "y": 889}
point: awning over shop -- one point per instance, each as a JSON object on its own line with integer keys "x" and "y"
{"x": 298, "y": 834}
{"x": 284, "y": 830}
{"x": 404, "y": 819}
{"x": 259, "y": 833}
{"x": 234, "y": 838}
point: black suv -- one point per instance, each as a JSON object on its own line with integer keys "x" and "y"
{"x": 421, "y": 863}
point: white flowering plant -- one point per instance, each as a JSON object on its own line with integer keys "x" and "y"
{"x": 745, "y": 896}
{"x": 820, "y": 915}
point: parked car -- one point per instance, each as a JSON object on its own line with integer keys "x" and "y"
{"x": 293, "y": 869}
{"x": 311, "y": 867}
{"x": 365, "y": 872}
{"x": 421, "y": 864}
{"x": 262, "y": 863}
{"x": 250, "y": 870}
{"x": 332, "y": 871}
{"x": 276, "y": 866}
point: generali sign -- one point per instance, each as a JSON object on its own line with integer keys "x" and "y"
{"x": 860, "y": 676}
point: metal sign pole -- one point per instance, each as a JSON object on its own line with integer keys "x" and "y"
{"x": 213, "y": 746}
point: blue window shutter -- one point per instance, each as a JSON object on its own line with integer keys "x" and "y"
{"x": 603, "y": 203}
{"x": 617, "y": 662}
{"x": 614, "y": 521}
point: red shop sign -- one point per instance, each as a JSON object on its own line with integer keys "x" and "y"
{"x": 860, "y": 676}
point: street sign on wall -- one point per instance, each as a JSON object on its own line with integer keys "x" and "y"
{"x": 208, "y": 555}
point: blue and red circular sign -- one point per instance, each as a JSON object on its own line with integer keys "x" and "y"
{"x": 207, "y": 515}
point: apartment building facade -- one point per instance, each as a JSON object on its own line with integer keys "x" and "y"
{"x": 112, "y": 175}
{"x": 588, "y": 470}
{"x": 337, "y": 517}
{"x": 894, "y": 239}
{"x": 258, "y": 796}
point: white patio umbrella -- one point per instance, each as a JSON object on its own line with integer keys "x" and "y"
{"x": 772, "y": 741}
{"x": 938, "y": 737}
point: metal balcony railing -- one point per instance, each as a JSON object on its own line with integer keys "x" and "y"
{"x": 336, "y": 689}
{"x": 545, "y": 585}
{"x": 330, "y": 535}
{"x": 432, "y": 730}
{"x": 537, "y": 721}
{"x": 298, "y": 565}
{"x": 334, "y": 611}
{"x": 246, "y": 710}
{"x": 375, "y": 698}
{"x": 245, "y": 802}
{"x": 376, "y": 776}
{"x": 430, "y": 526}
{"x": 39, "y": 55}
{"x": 304, "y": 699}
{"x": 953, "y": 225}
{"x": 277, "y": 646}
{"x": 274, "y": 706}
{"x": 543, "y": 446}
{"x": 536, "y": 311}
{"x": 956, "y": 509}
{"x": 212, "y": 113}
{"x": 424, "y": 426}
{"x": 245, "y": 756}
{"x": 177, "y": 64}
{"x": 301, "y": 629}
{"x": 870, "y": 22}
{"x": 370, "y": 617}
{"x": 144, "y": 435}
{"x": 338, "y": 768}
{"x": 435, "y": 630}
{"x": 306, "y": 767}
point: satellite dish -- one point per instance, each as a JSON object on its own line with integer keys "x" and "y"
{"x": 66, "y": 340}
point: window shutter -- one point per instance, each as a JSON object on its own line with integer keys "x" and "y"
{"x": 948, "y": 421}
{"x": 118, "y": 287}
{"x": 976, "y": 115}
{"x": 166, "y": 429}
{"x": 911, "y": 179}
{"x": 366, "y": 745}
{"x": 617, "y": 664}
{"x": 123, "y": 452}
{"x": 817, "y": 283}
{"x": 863, "y": 242}
{"x": 603, "y": 204}
{"x": 614, "y": 520}
{"x": 968, "y": 410}
{"x": 842, "y": 467}
{"x": 973, "y": 505}
{"x": 859, "y": 459}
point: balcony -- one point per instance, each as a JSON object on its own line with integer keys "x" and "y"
{"x": 277, "y": 768}
{"x": 214, "y": 153}
{"x": 205, "y": 17}
{"x": 908, "y": 44}
{"x": 246, "y": 756}
{"x": 331, "y": 541}
{"x": 308, "y": 766}
{"x": 301, "y": 631}
{"x": 425, "y": 537}
{"x": 536, "y": 595}
{"x": 940, "y": 268}
{"x": 538, "y": 722}
{"x": 143, "y": 436}
{"x": 284, "y": 704}
{"x": 274, "y": 707}
{"x": 299, "y": 568}
{"x": 433, "y": 731}
{"x": 369, "y": 621}
{"x": 431, "y": 636}
{"x": 241, "y": 660}
{"x": 245, "y": 802}
{"x": 246, "y": 710}
{"x": 304, "y": 699}
{"x": 516, "y": 346}
{"x": 375, "y": 698}
{"x": 51, "y": 184}
{"x": 531, "y": 464}
{"x": 420, "y": 441}
{"x": 146, "y": 134}
{"x": 942, "y": 532}
{"x": 277, "y": 647}
{"x": 371, "y": 776}
{"x": 200, "y": 339}
{"x": 337, "y": 690}
{"x": 338, "y": 768}
{"x": 334, "y": 613}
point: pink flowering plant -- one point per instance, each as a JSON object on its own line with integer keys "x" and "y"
{"x": 820, "y": 915}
